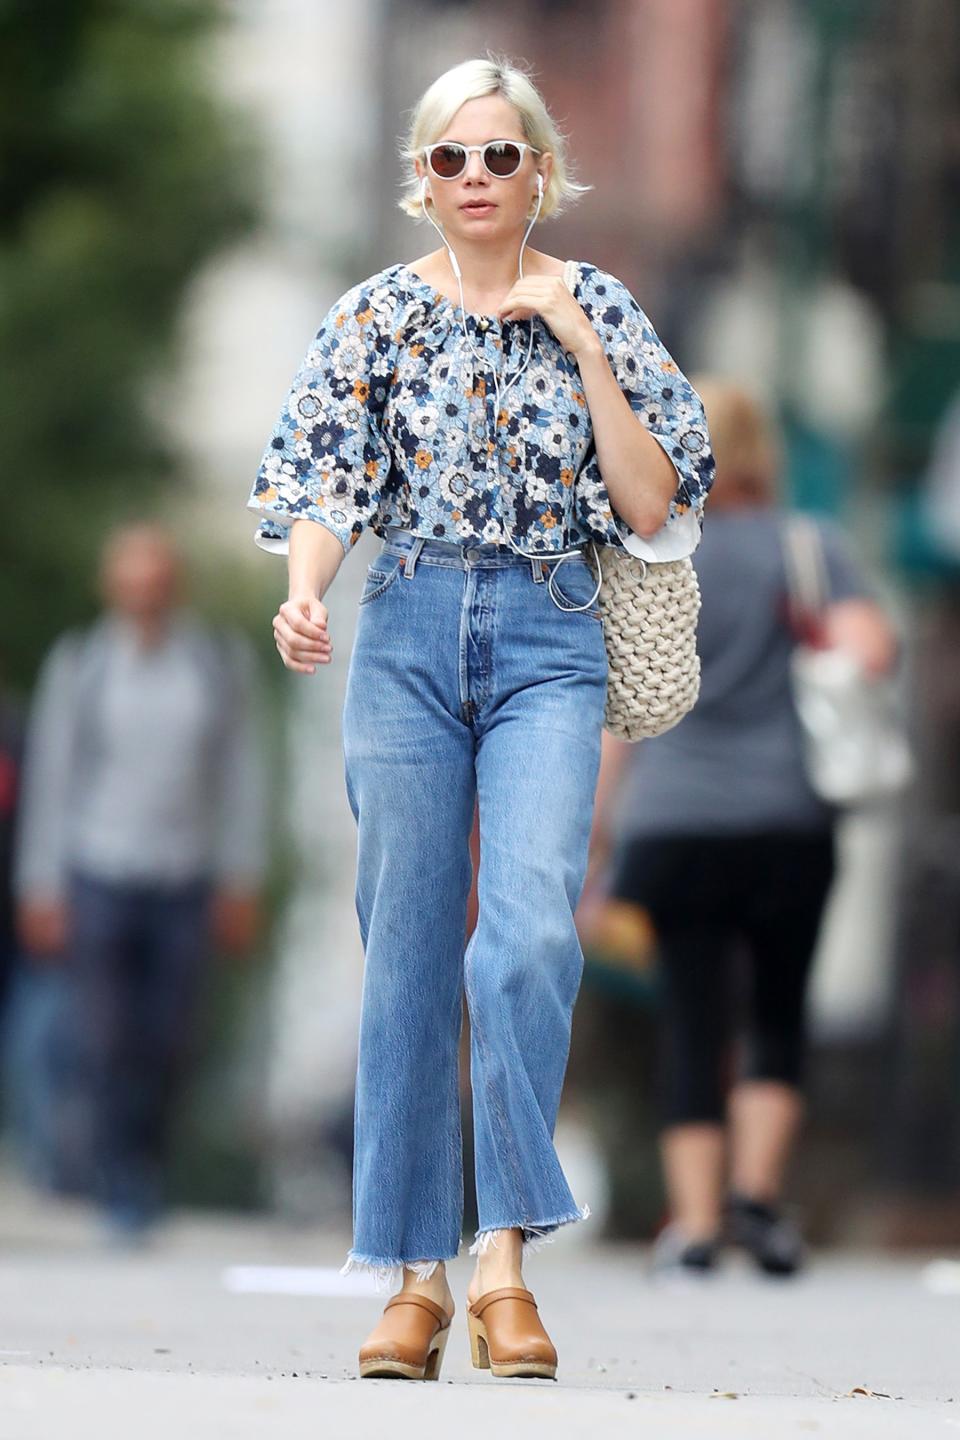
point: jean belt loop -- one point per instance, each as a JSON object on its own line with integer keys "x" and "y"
{"x": 537, "y": 570}
{"x": 410, "y": 559}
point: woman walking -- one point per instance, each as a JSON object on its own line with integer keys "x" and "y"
{"x": 726, "y": 845}
{"x": 488, "y": 420}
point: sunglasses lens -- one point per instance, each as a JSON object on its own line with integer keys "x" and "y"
{"x": 447, "y": 161}
{"x": 502, "y": 158}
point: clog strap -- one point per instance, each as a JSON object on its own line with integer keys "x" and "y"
{"x": 507, "y": 1292}
{"x": 406, "y": 1297}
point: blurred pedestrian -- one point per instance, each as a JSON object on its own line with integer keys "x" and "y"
{"x": 466, "y": 416}
{"x": 139, "y": 848}
{"x": 30, "y": 1001}
{"x": 724, "y": 843}
{"x": 11, "y": 759}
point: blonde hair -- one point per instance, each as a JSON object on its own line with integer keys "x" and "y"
{"x": 472, "y": 80}
{"x": 745, "y": 441}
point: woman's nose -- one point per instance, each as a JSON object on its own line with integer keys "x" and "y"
{"x": 476, "y": 169}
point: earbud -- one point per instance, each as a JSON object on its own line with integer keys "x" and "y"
{"x": 539, "y": 185}
{"x": 423, "y": 188}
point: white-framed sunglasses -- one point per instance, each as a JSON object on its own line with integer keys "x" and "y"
{"x": 501, "y": 158}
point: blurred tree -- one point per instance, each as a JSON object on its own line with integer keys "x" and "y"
{"x": 123, "y": 170}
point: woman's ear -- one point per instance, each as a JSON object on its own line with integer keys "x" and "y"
{"x": 423, "y": 183}
{"x": 545, "y": 169}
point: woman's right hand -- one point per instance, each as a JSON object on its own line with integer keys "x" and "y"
{"x": 861, "y": 627}
{"x": 42, "y": 927}
{"x": 300, "y": 631}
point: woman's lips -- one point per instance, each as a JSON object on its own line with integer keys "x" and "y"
{"x": 481, "y": 207}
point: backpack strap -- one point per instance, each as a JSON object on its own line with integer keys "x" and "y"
{"x": 88, "y": 649}
{"x": 217, "y": 655}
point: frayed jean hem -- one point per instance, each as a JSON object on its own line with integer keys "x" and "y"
{"x": 534, "y": 1236}
{"x": 388, "y": 1274}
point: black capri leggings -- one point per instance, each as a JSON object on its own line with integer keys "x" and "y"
{"x": 713, "y": 899}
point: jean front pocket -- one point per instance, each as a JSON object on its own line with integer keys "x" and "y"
{"x": 381, "y": 574}
{"x": 574, "y": 585}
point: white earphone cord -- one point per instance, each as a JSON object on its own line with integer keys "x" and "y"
{"x": 511, "y": 380}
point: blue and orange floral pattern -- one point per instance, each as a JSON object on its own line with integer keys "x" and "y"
{"x": 391, "y": 420}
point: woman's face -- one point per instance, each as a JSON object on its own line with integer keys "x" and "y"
{"x": 477, "y": 205}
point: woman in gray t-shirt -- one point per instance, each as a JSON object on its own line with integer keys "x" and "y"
{"x": 727, "y": 847}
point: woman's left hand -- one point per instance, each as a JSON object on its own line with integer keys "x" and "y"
{"x": 549, "y": 297}
{"x": 235, "y": 919}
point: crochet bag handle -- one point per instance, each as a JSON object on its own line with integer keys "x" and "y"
{"x": 650, "y": 632}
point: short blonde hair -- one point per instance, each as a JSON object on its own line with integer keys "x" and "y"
{"x": 472, "y": 80}
{"x": 745, "y": 440}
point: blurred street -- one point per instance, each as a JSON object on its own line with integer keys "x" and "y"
{"x": 97, "y": 1342}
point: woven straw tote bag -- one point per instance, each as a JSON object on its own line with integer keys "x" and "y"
{"x": 650, "y": 613}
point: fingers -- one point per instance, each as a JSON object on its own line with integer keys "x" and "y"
{"x": 536, "y": 288}
{"x": 544, "y": 283}
{"x": 538, "y": 294}
{"x": 303, "y": 642}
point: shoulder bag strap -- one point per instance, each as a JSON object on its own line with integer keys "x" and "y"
{"x": 807, "y": 578}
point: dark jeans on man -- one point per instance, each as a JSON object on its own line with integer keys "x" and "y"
{"x": 137, "y": 960}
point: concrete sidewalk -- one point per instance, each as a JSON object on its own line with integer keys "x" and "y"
{"x": 99, "y": 1343}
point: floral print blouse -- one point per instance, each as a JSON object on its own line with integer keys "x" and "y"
{"x": 390, "y": 420}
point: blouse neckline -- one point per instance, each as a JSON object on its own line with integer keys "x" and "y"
{"x": 443, "y": 302}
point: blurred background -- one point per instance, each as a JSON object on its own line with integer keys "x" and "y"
{"x": 186, "y": 188}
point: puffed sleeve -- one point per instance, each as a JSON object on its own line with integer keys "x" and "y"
{"x": 327, "y": 458}
{"x": 669, "y": 407}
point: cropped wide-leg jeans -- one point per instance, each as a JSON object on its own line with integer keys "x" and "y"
{"x": 468, "y": 681}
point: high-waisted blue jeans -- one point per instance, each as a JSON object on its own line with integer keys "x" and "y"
{"x": 467, "y": 681}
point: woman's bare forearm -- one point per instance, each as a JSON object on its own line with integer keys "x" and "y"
{"x": 314, "y": 559}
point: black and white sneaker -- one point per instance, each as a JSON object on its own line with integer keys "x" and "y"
{"x": 675, "y": 1255}
{"x": 773, "y": 1240}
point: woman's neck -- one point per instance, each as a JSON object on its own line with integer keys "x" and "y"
{"x": 487, "y": 274}
{"x": 491, "y": 272}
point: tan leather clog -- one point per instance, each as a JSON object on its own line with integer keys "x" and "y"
{"x": 408, "y": 1341}
{"x": 507, "y": 1336}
